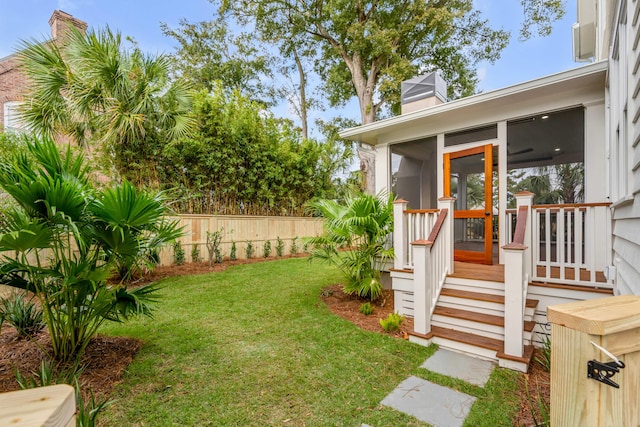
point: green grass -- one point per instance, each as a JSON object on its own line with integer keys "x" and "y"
{"x": 255, "y": 346}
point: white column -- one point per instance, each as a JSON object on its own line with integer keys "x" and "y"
{"x": 421, "y": 289}
{"x": 513, "y": 300}
{"x": 502, "y": 187}
{"x": 525, "y": 198}
{"x": 400, "y": 245}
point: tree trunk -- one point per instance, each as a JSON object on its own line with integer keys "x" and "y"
{"x": 303, "y": 95}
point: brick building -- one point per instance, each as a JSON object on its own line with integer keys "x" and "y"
{"x": 13, "y": 82}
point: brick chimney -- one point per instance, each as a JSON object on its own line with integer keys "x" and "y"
{"x": 61, "y": 22}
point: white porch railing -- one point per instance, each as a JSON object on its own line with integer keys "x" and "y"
{"x": 430, "y": 255}
{"x": 571, "y": 243}
{"x": 410, "y": 225}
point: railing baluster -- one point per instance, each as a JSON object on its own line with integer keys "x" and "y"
{"x": 560, "y": 242}
{"x": 547, "y": 242}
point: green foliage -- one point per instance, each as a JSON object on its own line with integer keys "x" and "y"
{"x": 362, "y": 223}
{"x": 218, "y": 256}
{"x": 392, "y": 322}
{"x": 553, "y": 184}
{"x": 232, "y": 253}
{"x": 178, "y": 253}
{"x": 366, "y": 308}
{"x": 21, "y": 313}
{"x": 243, "y": 161}
{"x": 294, "y": 246}
{"x": 66, "y": 238}
{"x": 213, "y": 245}
{"x": 279, "y": 246}
{"x": 540, "y": 409}
{"x": 195, "y": 253}
{"x": 544, "y": 358}
{"x": 87, "y": 414}
{"x": 249, "y": 250}
{"x": 539, "y": 15}
{"x": 266, "y": 249}
{"x": 97, "y": 91}
{"x": 365, "y": 49}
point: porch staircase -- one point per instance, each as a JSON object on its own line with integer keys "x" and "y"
{"x": 469, "y": 318}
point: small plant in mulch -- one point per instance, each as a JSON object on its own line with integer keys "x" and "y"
{"x": 266, "y": 249}
{"x": 195, "y": 253}
{"x": 294, "y": 246}
{"x": 392, "y": 322}
{"x": 544, "y": 357}
{"x": 233, "y": 253}
{"x": 178, "y": 253}
{"x": 22, "y": 313}
{"x": 249, "y": 250}
{"x": 366, "y": 308}
{"x": 279, "y": 247}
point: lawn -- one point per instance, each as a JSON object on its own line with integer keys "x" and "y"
{"x": 255, "y": 345}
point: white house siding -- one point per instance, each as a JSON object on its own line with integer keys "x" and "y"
{"x": 623, "y": 100}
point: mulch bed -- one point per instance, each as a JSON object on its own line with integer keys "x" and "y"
{"x": 106, "y": 358}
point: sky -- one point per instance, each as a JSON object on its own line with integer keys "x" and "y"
{"x": 140, "y": 19}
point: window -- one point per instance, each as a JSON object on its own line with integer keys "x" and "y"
{"x": 11, "y": 116}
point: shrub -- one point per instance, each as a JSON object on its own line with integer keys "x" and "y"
{"x": 218, "y": 256}
{"x": 195, "y": 253}
{"x": 266, "y": 249}
{"x": 248, "y": 250}
{"x": 544, "y": 358}
{"x": 279, "y": 247}
{"x": 232, "y": 254}
{"x": 392, "y": 322}
{"x": 178, "y": 253}
{"x": 362, "y": 223}
{"x": 58, "y": 209}
{"x": 366, "y": 308}
{"x": 294, "y": 246}
{"x": 213, "y": 245}
{"x": 22, "y": 314}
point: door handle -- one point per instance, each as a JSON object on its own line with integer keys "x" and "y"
{"x": 487, "y": 213}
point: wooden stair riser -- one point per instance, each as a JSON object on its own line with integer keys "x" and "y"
{"x": 495, "y": 309}
{"x": 482, "y": 353}
{"x": 476, "y": 328}
{"x": 495, "y": 288}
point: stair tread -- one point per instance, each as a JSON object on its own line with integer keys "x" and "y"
{"x": 601, "y": 290}
{"x": 480, "y": 296}
{"x": 487, "y": 319}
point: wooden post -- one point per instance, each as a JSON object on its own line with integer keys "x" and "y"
{"x": 399, "y": 234}
{"x": 421, "y": 286}
{"x": 447, "y": 230}
{"x": 52, "y": 406}
{"x": 525, "y": 198}
{"x": 614, "y": 324}
{"x": 514, "y": 261}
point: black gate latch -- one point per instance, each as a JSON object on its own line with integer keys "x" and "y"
{"x": 603, "y": 372}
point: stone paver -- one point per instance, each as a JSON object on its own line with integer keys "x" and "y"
{"x": 461, "y": 366}
{"x": 429, "y": 402}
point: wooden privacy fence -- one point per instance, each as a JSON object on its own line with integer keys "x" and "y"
{"x": 242, "y": 229}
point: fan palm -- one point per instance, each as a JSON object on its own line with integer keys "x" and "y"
{"x": 361, "y": 225}
{"x": 92, "y": 90}
{"x": 64, "y": 239}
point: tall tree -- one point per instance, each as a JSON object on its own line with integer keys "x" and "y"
{"x": 95, "y": 91}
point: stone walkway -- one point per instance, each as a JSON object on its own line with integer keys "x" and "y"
{"x": 435, "y": 404}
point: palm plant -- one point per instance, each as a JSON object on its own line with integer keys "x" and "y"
{"x": 362, "y": 225}
{"x": 93, "y": 90}
{"x": 64, "y": 239}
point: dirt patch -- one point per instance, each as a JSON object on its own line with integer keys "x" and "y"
{"x": 535, "y": 395}
{"x": 348, "y": 307}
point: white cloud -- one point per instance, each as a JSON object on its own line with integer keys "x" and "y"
{"x": 482, "y": 73}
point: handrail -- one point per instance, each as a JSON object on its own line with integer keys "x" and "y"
{"x": 435, "y": 231}
{"x": 521, "y": 224}
{"x": 420, "y": 211}
{"x": 572, "y": 205}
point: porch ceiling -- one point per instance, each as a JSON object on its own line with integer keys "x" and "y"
{"x": 557, "y": 91}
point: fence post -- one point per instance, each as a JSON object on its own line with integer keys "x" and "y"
{"x": 612, "y": 323}
{"x": 447, "y": 230}
{"x": 399, "y": 234}
{"x": 525, "y": 198}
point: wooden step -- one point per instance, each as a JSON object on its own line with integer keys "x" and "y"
{"x": 480, "y": 296}
{"x": 467, "y": 338}
{"x": 478, "y": 341}
{"x": 487, "y": 319}
{"x": 581, "y": 288}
